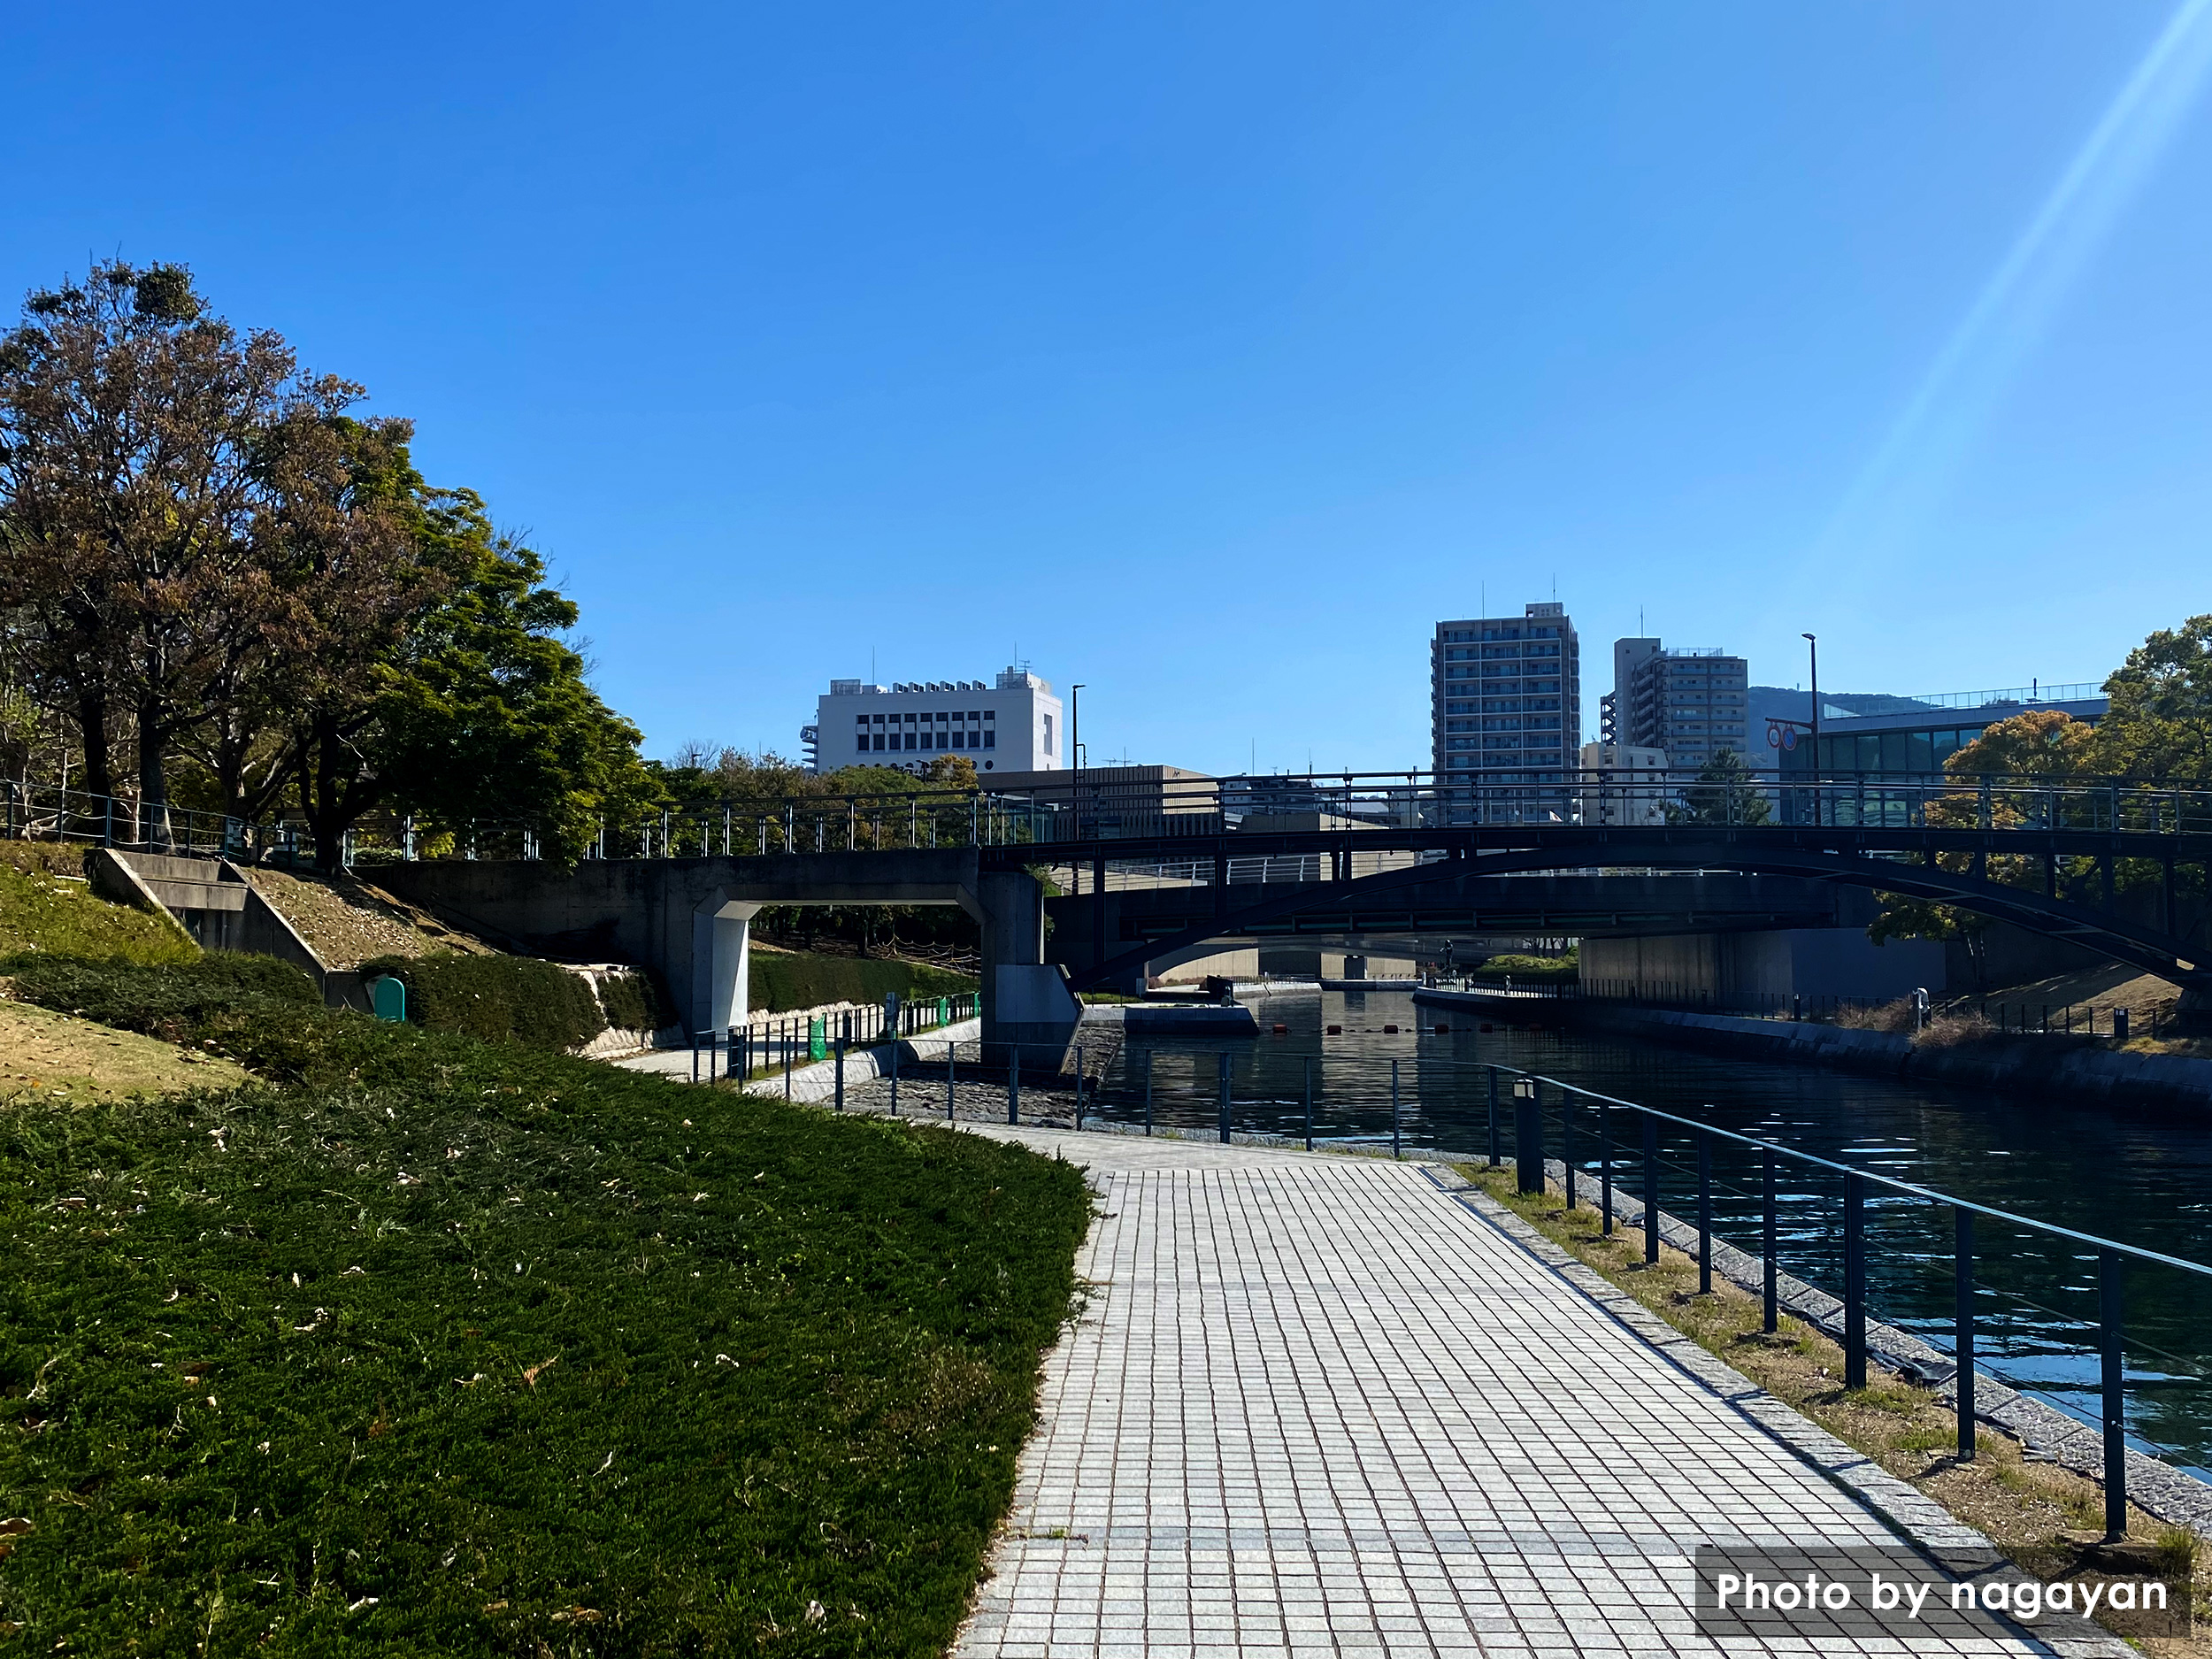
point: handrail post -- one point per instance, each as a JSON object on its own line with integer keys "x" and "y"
{"x": 1962, "y": 1326}
{"x": 1224, "y": 1070}
{"x": 2111, "y": 1271}
{"x": 841, "y": 1071}
{"x": 1567, "y": 1146}
{"x": 1308, "y": 1100}
{"x": 1651, "y": 1190}
{"x": 1704, "y": 1214}
{"x": 1494, "y": 1158}
{"x": 1770, "y": 1312}
{"x": 896, "y": 1042}
{"x": 1605, "y": 1169}
{"x": 1014, "y": 1083}
{"x": 951, "y": 1067}
{"x": 1148, "y": 1091}
{"x": 1854, "y": 1280}
{"x": 1396, "y": 1150}
{"x": 1079, "y": 1086}
{"x": 1528, "y": 1136}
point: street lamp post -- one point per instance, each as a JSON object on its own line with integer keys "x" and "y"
{"x": 1812, "y": 645}
{"x": 1075, "y": 753}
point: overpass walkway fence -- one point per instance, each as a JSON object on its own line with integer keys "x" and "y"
{"x": 1082, "y": 811}
{"x": 2043, "y": 1308}
{"x": 1085, "y": 811}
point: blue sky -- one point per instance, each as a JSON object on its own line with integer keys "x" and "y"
{"x": 1209, "y": 353}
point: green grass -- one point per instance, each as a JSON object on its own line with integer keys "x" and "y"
{"x": 43, "y": 912}
{"x": 440, "y": 1347}
{"x": 782, "y": 980}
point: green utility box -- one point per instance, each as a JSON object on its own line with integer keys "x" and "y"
{"x": 818, "y": 1040}
{"x": 388, "y": 996}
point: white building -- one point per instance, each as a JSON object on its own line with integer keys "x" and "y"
{"x": 1622, "y": 784}
{"x": 1015, "y": 726}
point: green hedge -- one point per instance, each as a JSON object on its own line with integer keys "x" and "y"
{"x": 1526, "y": 967}
{"x": 438, "y": 1342}
{"x": 782, "y": 980}
{"x": 496, "y": 999}
{"x": 634, "y": 1003}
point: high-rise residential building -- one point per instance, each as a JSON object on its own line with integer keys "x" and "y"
{"x": 1015, "y": 726}
{"x": 1689, "y": 702}
{"x": 1624, "y": 785}
{"x": 1505, "y": 704}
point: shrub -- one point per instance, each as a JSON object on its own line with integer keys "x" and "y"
{"x": 634, "y": 1003}
{"x": 1526, "y": 967}
{"x": 461, "y": 1349}
{"x": 496, "y": 999}
{"x": 1892, "y": 1017}
{"x": 787, "y": 980}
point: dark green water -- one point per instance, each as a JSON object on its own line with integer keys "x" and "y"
{"x": 2139, "y": 1177}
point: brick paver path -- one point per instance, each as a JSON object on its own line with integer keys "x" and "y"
{"x": 1317, "y": 1406}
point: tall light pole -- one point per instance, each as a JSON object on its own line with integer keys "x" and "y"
{"x": 1075, "y": 727}
{"x": 1812, "y": 646}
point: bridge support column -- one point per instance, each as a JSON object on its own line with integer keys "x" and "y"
{"x": 721, "y": 964}
{"x": 1025, "y": 1000}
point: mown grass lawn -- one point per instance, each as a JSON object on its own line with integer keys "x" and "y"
{"x": 438, "y": 1347}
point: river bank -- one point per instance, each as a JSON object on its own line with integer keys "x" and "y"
{"x": 2046, "y": 1065}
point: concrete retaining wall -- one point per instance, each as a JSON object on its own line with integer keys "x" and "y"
{"x": 2040, "y": 1066}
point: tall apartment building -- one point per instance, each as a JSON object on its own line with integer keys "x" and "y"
{"x": 1015, "y": 726}
{"x": 1506, "y": 715}
{"x": 1689, "y": 702}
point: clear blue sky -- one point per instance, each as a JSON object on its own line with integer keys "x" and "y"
{"x": 1212, "y": 352}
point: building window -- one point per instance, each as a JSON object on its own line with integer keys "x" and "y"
{"x": 989, "y": 715}
{"x": 990, "y": 737}
{"x": 1049, "y": 734}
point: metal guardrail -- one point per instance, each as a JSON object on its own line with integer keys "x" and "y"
{"x": 35, "y": 811}
{"x": 2112, "y": 1255}
{"x": 1517, "y": 1104}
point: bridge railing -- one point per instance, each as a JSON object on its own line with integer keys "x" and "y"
{"x": 1093, "y": 813}
{"x": 36, "y": 812}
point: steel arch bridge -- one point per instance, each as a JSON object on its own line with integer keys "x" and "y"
{"x": 1948, "y": 866}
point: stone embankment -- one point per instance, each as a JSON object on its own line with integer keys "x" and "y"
{"x": 2043, "y": 1065}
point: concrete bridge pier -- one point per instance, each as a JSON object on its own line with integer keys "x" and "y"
{"x": 722, "y": 941}
{"x": 1025, "y": 1000}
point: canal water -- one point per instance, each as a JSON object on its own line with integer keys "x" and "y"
{"x": 2142, "y": 1177}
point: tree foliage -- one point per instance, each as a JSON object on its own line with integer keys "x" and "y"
{"x": 210, "y": 567}
{"x": 1725, "y": 792}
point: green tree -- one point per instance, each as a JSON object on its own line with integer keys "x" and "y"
{"x": 2159, "y": 728}
{"x": 1725, "y": 792}
{"x": 484, "y": 716}
{"x": 129, "y": 425}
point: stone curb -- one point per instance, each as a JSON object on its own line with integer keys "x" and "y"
{"x": 2044, "y": 1431}
{"x": 1918, "y": 1519}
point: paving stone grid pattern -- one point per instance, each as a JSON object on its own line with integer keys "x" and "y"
{"x": 1315, "y": 1406}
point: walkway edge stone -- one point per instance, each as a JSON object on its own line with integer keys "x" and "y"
{"x": 1917, "y": 1518}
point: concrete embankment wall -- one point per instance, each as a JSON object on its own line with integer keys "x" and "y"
{"x": 2041, "y": 1066}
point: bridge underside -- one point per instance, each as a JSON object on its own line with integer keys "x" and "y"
{"x": 1087, "y": 928}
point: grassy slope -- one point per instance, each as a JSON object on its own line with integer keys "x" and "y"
{"x": 43, "y": 910}
{"x": 46, "y": 1053}
{"x": 447, "y": 1348}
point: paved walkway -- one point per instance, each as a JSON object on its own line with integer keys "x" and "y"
{"x": 1316, "y": 1405}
